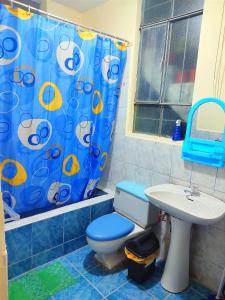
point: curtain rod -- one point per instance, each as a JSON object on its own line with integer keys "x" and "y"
{"x": 31, "y": 8}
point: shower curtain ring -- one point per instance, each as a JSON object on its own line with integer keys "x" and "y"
{"x": 11, "y": 3}
{"x": 29, "y": 9}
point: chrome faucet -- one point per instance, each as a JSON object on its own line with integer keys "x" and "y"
{"x": 193, "y": 191}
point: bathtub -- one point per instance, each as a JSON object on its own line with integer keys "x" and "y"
{"x": 40, "y": 238}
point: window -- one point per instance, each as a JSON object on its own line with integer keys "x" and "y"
{"x": 170, "y": 31}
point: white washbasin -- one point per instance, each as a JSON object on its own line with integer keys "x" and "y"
{"x": 171, "y": 198}
{"x": 184, "y": 209}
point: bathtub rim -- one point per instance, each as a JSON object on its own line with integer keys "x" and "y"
{"x": 60, "y": 210}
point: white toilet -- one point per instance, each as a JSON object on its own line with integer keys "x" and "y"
{"x": 133, "y": 213}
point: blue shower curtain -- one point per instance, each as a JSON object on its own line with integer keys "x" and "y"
{"x": 59, "y": 90}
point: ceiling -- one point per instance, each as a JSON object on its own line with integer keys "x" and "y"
{"x": 81, "y": 5}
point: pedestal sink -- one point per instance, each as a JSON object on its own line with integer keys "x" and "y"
{"x": 185, "y": 208}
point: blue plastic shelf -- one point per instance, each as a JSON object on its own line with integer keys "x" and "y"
{"x": 207, "y": 152}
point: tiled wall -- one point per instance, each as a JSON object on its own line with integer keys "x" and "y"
{"x": 152, "y": 163}
{"x": 35, "y": 244}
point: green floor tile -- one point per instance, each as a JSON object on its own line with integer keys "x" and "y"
{"x": 33, "y": 286}
{"x": 41, "y": 284}
{"x": 17, "y": 291}
{"x": 55, "y": 278}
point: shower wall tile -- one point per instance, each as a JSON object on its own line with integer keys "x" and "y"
{"x": 47, "y": 234}
{"x": 101, "y": 209}
{"x": 75, "y": 223}
{"x": 19, "y": 268}
{"x": 46, "y": 256}
{"x": 36, "y": 244}
{"x": 75, "y": 244}
{"x": 19, "y": 244}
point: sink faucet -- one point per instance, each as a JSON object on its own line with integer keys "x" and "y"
{"x": 193, "y": 191}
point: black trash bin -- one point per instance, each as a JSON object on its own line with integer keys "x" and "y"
{"x": 143, "y": 250}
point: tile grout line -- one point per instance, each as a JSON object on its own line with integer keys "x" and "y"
{"x": 45, "y": 264}
{"x": 52, "y": 248}
{"x": 214, "y": 187}
{"x": 199, "y": 293}
{"x": 167, "y": 296}
{"x": 112, "y": 291}
{"x": 154, "y": 297}
{"x": 91, "y": 284}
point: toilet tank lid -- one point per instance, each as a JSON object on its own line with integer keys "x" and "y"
{"x": 133, "y": 188}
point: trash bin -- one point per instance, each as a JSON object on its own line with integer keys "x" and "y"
{"x": 141, "y": 253}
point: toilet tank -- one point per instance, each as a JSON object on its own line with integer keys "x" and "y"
{"x": 131, "y": 202}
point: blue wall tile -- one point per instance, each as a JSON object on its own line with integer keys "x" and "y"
{"x": 18, "y": 243}
{"x": 75, "y": 223}
{"x": 46, "y": 256}
{"x": 36, "y": 244}
{"x": 47, "y": 234}
{"x": 19, "y": 268}
{"x": 75, "y": 244}
{"x": 101, "y": 209}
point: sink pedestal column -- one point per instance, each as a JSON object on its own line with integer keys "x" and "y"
{"x": 175, "y": 278}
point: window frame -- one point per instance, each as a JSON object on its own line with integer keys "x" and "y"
{"x": 161, "y": 102}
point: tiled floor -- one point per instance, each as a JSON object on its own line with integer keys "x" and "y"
{"x": 93, "y": 282}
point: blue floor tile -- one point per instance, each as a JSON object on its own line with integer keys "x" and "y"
{"x": 189, "y": 294}
{"x": 73, "y": 272}
{"x": 201, "y": 289}
{"x": 82, "y": 259}
{"x": 154, "y": 288}
{"x": 81, "y": 290}
{"x": 106, "y": 282}
{"x": 130, "y": 291}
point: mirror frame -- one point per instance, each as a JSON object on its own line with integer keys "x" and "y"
{"x": 202, "y": 151}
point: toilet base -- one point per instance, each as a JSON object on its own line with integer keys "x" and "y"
{"x": 112, "y": 260}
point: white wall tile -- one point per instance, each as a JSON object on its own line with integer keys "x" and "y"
{"x": 129, "y": 172}
{"x": 220, "y": 225}
{"x": 158, "y": 178}
{"x": 203, "y": 175}
{"x": 162, "y": 158}
{"x": 180, "y": 182}
{"x": 209, "y": 242}
{"x": 205, "y": 272}
{"x": 180, "y": 169}
{"x": 143, "y": 176}
{"x": 220, "y": 180}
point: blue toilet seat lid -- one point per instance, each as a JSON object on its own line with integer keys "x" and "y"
{"x": 109, "y": 227}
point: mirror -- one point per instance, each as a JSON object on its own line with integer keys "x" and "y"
{"x": 208, "y": 122}
{"x": 205, "y": 136}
